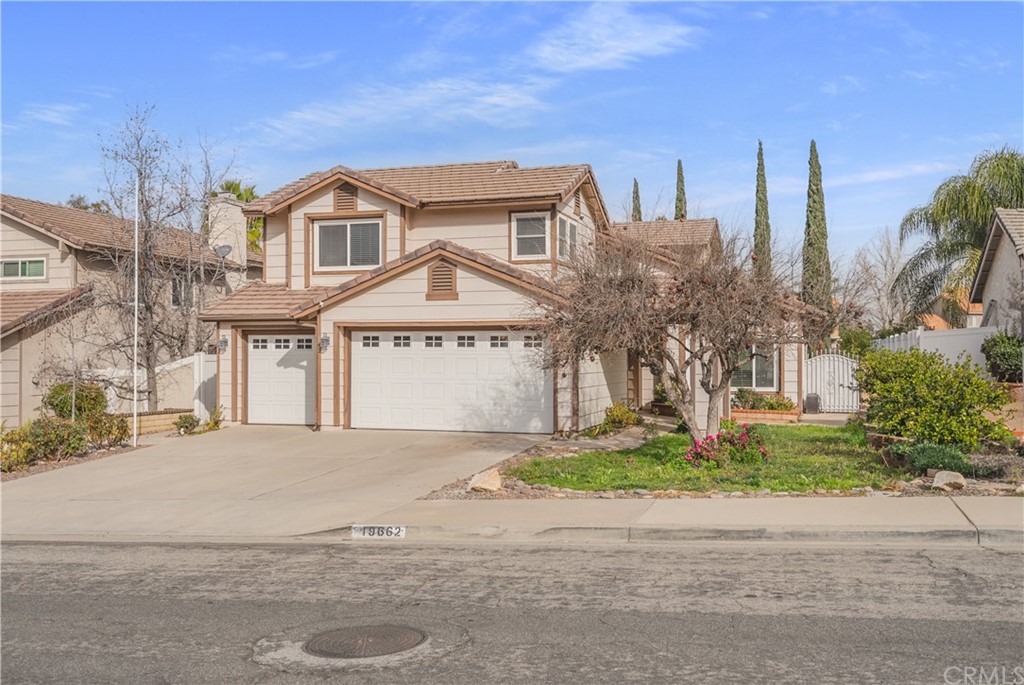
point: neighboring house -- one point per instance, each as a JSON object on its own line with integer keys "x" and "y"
{"x": 997, "y": 286}
{"x": 403, "y": 298}
{"x": 935, "y": 319}
{"x": 56, "y": 261}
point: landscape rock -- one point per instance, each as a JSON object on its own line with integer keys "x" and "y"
{"x": 1019, "y": 491}
{"x": 951, "y": 479}
{"x": 486, "y": 481}
{"x": 941, "y": 488}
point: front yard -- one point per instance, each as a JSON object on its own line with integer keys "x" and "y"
{"x": 803, "y": 459}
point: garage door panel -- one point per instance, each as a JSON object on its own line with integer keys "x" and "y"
{"x": 280, "y": 381}
{"x": 472, "y": 387}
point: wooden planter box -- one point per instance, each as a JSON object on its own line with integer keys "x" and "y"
{"x": 663, "y": 409}
{"x": 764, "y": 416}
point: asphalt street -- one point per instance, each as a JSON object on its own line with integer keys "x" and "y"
{"x": 506, "y": 613}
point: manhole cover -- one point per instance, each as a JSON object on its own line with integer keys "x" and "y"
{"x": 364, "y": 641}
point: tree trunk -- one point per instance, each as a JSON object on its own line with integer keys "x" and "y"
{"x": 682, "y": 402}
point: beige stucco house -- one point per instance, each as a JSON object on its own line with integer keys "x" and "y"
{"x": 997, "y": 286}
{"x": 403, "y": 298}
{"x": 56, "y": 261}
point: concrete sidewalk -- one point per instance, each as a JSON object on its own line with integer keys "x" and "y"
{"x": 946, "y": 520}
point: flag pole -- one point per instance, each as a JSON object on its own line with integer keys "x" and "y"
{"x": 135, "y": 337}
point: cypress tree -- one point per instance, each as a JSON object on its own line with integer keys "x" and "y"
{"x": 816, "y": 284}
{"x": 637, "y": 216}
{"x": 762, "y": 230}
{"x": 680, "y": 192}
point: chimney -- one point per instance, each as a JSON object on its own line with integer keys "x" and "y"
{"x": 228, "y": 228}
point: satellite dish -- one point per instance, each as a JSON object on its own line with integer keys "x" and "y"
{"x": 222, "y": 251}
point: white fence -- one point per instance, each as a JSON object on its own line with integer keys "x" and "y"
{"x": 951, "y": 344}
{"x": 186, "y": 382}
{"x": 830, "y": 377}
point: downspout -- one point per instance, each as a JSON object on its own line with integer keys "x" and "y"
{"x": 317, "y": 383}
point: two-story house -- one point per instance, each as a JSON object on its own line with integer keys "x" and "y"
{"x": 56, "y": 271}
{"x": 403, "y": 298}
{"x": 998, "y": 287}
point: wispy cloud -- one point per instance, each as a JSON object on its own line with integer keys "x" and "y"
{"x": 246, "y": 56}
{"x": 609, "y": 36}
{"x": 929, "y": 76}
{"x": 894, "y": 173}
{"x": 440, "y": 101}
{"x": 59, "y": 114}
{"x": 842, "y": 85}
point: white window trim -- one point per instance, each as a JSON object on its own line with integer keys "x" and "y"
{"x": 318, "y": 268}
{"x": 33, "y": 258}
{"x": 547, "y": 235}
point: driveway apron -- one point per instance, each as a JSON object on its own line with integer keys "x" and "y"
{"x": 248, "y": 481}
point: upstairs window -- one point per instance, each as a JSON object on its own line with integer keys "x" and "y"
{"x": 530, "y": 235}
{"x": 182, "y": 292}
{"x": 347, "y": 244}
{"x": 24, "y": 268}
{"x": 567, "y": 231}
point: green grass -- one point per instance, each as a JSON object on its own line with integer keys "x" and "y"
{"x": 803, "y": 458}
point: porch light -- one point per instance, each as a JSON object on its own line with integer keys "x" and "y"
{"x": 325, "y": 341}
{"x": 222, "y": 344}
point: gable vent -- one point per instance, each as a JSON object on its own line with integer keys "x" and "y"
{"x": 579, "y": 203}
{"x": 441, "y": 282}
{"x": 345, "y": 198}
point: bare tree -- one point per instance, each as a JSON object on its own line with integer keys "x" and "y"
{"x": 703, "y": 309}
{"x": 176, "y": 267}
{"x": 872, "y": 278}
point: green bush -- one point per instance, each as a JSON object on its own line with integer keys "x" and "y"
{"x": 745, "y": 398}
{"x": 15, "y": 450}
{"x": 187, "y": 424}
{"x": 919, "y": 395}
{"x": 106, "y": 430}
{"x": 215, "y": 421}
{"x": 660, "y": 394}
{"x": 1003, "y": 357}
{"x": 777, "y": 403}
{"x": 855, "y": 341}
{"x": 921, "y": 456}
{"x": 89, "y": 399}
{"x": 53, "y": 438}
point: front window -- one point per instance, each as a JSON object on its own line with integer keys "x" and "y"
{"x": 759, "y": 372}
{"x": 182, "y": 292}
{"x": 567, "y": 231}
{"x": 530, "y": 235}
{"x": 342, "y": 244}
{"x": 24, "y": 268}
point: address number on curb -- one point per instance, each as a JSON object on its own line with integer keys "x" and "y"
{"x": 364, "y": 532}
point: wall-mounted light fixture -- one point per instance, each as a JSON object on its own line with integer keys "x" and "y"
{"x": 325, "y": 341}
{"x": 222, "y": 344}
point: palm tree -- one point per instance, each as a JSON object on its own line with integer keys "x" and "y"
{"x": 254, "y": 225}
{"x": 955, "y": 225}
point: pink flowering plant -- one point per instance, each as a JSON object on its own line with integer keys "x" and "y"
{"x": 744, "y": 445}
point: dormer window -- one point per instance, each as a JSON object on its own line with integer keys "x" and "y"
{"x": 347, "y": 243}
{"x": 530, "y": 235}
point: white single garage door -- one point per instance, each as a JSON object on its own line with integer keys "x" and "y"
{"x": 487, "y": 381}
{"x": 282, "y": 384}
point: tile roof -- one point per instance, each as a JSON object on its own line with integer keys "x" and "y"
{"x": 262, "y": 301}
{"x": 443, "y": 184}
{"x": 21, "y": 307}
{"x": 92, "y": 230}
{"x": 1013, "y": 220}
{"x": 671, "y": 233}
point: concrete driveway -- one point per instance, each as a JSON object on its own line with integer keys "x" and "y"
{"x": 247, "y": 481}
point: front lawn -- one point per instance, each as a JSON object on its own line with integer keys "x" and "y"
{"x": 803, "y": 458}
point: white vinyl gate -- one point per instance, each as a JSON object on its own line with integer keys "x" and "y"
{"x": 830, "y": 376}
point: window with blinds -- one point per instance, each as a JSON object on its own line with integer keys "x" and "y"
{"x": 529, "y": 235}
{"x": 347, "y": 244}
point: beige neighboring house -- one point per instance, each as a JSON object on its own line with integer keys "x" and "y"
{"x": 403, "y": 298}
{"x": 997, "y": 286}
{"x": 55, "y": 260}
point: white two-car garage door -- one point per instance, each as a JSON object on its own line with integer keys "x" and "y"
{"x": 281, "y": 379}
{"x": 487, "y": 381}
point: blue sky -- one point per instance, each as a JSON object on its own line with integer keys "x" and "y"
{"x": 898, "y": 96}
